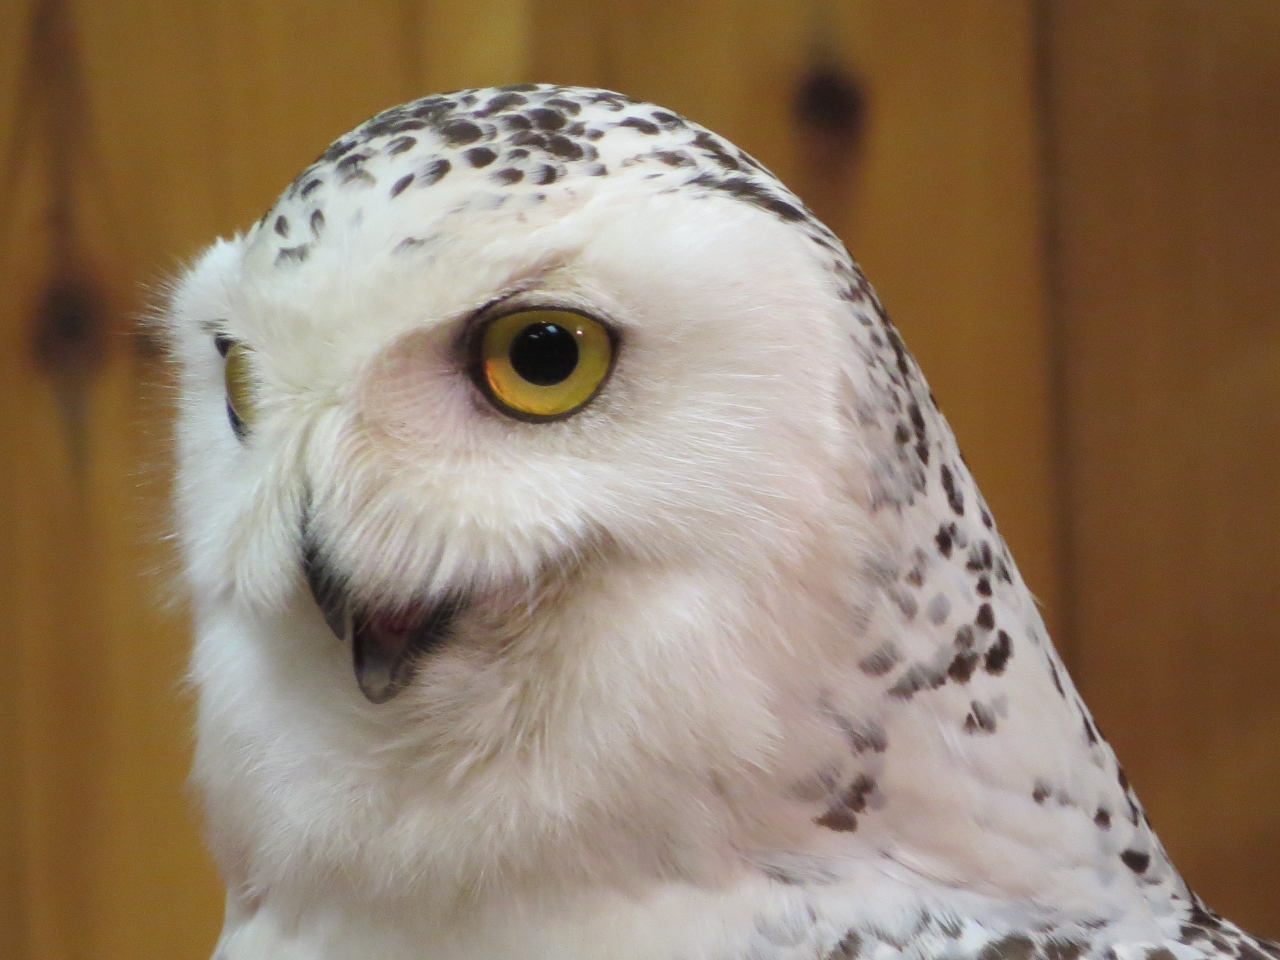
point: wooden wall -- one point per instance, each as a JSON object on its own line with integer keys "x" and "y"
{"x": 1164, "y": 120}
{"x": 1102, "y": 338}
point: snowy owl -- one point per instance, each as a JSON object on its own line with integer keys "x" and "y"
{"x": 581, "y": 569}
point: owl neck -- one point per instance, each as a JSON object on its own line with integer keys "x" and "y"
{"x": 962, "y": 754}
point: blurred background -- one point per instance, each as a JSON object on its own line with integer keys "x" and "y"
{"x": 1070, "y": 207}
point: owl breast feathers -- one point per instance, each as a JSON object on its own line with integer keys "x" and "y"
{"x": 581, "y": 568}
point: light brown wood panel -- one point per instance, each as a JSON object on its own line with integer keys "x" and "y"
{"x": 53, "y": 642}
{"x": 53, "y": 649}
{"x": 477, "y": 44}
{"x": 1165, "y": 150}
{"x": 728, "y": 64}
{"x": 217, "y": 107}
{"x": 13, "y": 868}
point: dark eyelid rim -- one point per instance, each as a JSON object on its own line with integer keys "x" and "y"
{"x": 518, "y": 301}
{"x": 223, "y": 344}
{"x": 467, "y": 343}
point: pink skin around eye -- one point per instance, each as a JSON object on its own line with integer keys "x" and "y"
{"x": 412, "y": 394}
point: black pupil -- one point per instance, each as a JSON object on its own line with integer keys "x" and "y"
{"x": 544, "y": 353}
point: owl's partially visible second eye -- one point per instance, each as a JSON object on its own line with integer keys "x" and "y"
{"x": 238, "y": 379}
{"x": 542, "y": 365}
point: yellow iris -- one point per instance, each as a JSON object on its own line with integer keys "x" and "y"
{"x": 543, "y": 364}
{"x": 238, "y": 377}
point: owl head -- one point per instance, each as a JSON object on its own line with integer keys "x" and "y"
{"x": 559, "y": 507}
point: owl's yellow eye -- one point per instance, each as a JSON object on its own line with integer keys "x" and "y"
{"x": 238, "y": 378}
{"x": 542, "y": 364}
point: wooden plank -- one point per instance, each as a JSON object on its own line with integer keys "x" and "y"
{"x": 1166, "y": 146}
{"x": 51, "y": 638}
{"x": 478, "y": 44}
{"x": 14, "y": 864}
{"x": 53, "y": 641}
{"x": 728, "y": 64}
{"x": 569, "y": 42}
{"x": 220, "y": 106}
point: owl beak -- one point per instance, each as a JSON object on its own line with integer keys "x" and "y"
{"x": 386, "y": 646}
{"x": 386, "y": 649}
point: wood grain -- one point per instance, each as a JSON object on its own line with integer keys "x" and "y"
{"x": 14, "y": 869}
{"x": 1165, "y": 152}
